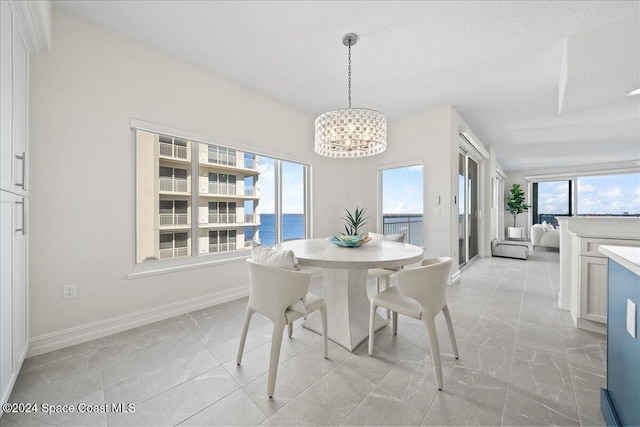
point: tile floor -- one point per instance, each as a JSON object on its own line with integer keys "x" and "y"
{"x": 522, "y": 363}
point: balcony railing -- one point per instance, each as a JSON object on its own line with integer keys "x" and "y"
{"x": 175, "y": 151}
{"x": 250, "y": 191}
{"x": 174, "y": 219}
{"x": 174, "y": 253}
{"x": 222, "y": 247}
{"x": 223, "y": 218}
{"x": 253, "y": 218}
{"x": 222, "y": 159}
{"x": 223, "y": 188}
{"x": 175, "y": 185}
{"x": 412, "y": 226}
{"x": 250, "y": 163}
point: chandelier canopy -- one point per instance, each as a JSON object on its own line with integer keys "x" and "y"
{"x": 350, "y": 132}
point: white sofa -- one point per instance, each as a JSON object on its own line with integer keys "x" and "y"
{"x": 545, "y": 235}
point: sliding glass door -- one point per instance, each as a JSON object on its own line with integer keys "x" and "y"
{"x": 467, "y": 208}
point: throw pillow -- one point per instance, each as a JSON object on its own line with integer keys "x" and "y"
{"x": 284, "y": 259}
{"x": 390, "y": 237}
{"x": 547, "y": 227}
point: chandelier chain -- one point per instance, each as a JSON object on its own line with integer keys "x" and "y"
{"x": 349, "y": 75}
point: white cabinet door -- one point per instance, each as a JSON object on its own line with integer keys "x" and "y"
{"x": 19, "y": 265}
{"x": 7, "y": 206}
{"x": 593, "y": 288}
{"x": 13, "y": 289}
{"x": 14, "y": 78}
{"x": 6, "y": 96}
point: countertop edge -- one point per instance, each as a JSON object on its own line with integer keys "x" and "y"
{"x": 628, "y": 257}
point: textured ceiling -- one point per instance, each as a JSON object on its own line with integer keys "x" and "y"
{"x": 498, "y": 63}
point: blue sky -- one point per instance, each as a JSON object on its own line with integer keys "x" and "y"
{"x": 292, "y": 186}
{"x": 402, "y": 190}
{"x": 607, "y": 194}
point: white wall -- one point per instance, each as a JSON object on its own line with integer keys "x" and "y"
{"x": 84, "y": 94}
{"x": 423, "y": 138}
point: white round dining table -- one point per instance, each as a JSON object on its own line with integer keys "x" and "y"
{"x": 344, "y": 276}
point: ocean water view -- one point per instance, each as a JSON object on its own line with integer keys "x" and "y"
{"x": 292, "y": 228}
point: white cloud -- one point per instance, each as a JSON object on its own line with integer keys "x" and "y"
{"x": 267, "y": 208}
{"x": 585, "y": 188}
{"x": 292, "y": 209}
{"x": 266, "y": 170}
{"x": 614, "y": 192}
{"x": 398, "y": 207}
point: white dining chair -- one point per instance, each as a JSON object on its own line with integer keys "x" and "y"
{"x": 315, "y": 272}
{"x": 421, "y": 294}
{"x": 278, "y": 293}
{"x": 383, "y": 274}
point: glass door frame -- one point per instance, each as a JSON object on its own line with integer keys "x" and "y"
{"x": 465, "y": 203}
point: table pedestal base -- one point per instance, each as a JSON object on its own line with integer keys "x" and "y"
{"x": 345, "y": 292}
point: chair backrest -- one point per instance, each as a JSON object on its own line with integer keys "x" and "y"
{"x": 273, "y": 289}
{"x": 427, "y": 284}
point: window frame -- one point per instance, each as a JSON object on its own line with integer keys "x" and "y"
{"x": 619, "y": 169}
{"x": 397, "y": 165}
{"x": 194, "y": 260}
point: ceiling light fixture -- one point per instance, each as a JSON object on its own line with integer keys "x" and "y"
{"x": 634, "y": 92}
{"x": 350, "y": 132}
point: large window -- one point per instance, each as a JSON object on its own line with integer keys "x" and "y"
{"x": 196, "y": 198}
{"x": 609, "y": 195}
{"x": 551, "y": 199}
{"x": 402, "y": 203}
{"x": 594, "y": 195}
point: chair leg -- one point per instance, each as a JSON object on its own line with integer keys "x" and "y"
{"x": 394, "y": 321}
{"x": 372, "y": 318}
{"x": 290, "y": 329}
{"x": 435, "y": 350}
{"x": 274, "y": 358}
{"x": 452, "y": 335}
{"x": 245, "y": 329}
{"x": 323, "y": 314}
{"x": 387, "y": 283}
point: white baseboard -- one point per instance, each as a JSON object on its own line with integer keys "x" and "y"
{"x": 455, "y": 277}
{"x": 564, "y": 303}
{"x": 79, "y": 334}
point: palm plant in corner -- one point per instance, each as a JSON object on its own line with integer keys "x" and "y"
{"x": 516, "y": 205}
{"x": 353, "y": 223}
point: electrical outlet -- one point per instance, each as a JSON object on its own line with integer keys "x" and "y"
{"x": 631, "y": 318}
{"x": 68, "y": 291}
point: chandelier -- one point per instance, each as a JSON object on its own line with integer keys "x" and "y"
{"x": 350, "y": 132}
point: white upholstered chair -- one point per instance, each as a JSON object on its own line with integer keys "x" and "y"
{"x": 315, "y": 272}
{"x": 422, "y": 294}
{"x": 383, "y": 274}
{"x": 278, "y": 293}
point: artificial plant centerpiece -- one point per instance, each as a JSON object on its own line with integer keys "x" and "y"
{"x": 515, "y": 202}
{"x": 353, "y": 223}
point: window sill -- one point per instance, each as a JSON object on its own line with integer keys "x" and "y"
{"x": 154, "y": 270}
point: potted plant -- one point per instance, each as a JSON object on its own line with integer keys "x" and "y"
{"x": 516, "y": 205}
{"x": 353, "y": 223}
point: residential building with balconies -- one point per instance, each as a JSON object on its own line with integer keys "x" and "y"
{"x": 224, "y": 193}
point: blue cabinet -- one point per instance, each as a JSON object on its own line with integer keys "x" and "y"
{"x": 620, "y": 403}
